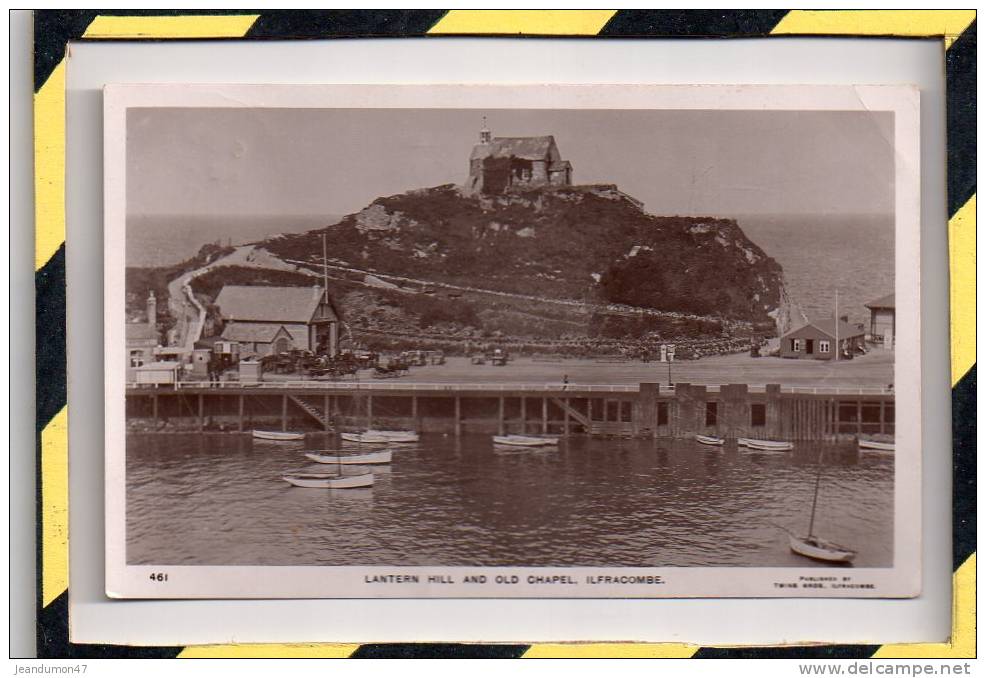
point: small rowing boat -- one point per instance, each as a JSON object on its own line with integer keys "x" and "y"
{"x": 365, "y": 437}
{"x": 280, "y": 436}
{"x": 381, "y": 457}
{"x": 378, "y": 437}
{"x": 820, "y": 549}
{"x": 524, "y": 441}
{"x": 709, "y": 440}
{"x": 329, "y": 481}
{"x": 875, "y": 445}
{"x": 765, "y": 445}
{"x": 396, "y": 436}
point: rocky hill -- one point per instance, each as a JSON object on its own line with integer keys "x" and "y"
{"x": 585, "y": 243}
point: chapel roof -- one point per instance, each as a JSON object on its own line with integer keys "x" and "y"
{"x": 527, "y": 148}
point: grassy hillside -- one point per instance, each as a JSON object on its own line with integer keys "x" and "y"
{"x": 588, "y": 243}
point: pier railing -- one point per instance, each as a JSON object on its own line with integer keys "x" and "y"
{"x": 407, "y": 386}
{"x": 486, "y": 386}
{"x": 828, "y": 390}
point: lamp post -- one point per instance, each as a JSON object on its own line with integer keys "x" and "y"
{"x": 667, "y": 356}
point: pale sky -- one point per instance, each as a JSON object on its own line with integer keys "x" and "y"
{"x": 231, "y": 161}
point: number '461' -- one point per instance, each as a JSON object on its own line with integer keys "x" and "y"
{"x": 159, "y": 576}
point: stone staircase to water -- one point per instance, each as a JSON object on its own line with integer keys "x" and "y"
{"x": 312, "y": 410}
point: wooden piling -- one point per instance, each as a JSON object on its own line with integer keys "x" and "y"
{"x": 823, "y": 415}
{"x": 813, "y": 420}
{"x": 645, "y": 409}
{"x": 809, "y": 418}
{"x": 544, "y": 414}
{"x": 154, "y": 407}
{"x": 797, "y": 419}
{"x": 284, "y": 412}
{"x": 566, "y": 424}
{"x": 369, "y": 412}
{"x": 802, "y": 418}
{"x": 240, "y": 418}
{"x": 816, "y": 418}
{"x": 414, "y": 412}
{"x": 201, "y": 413}
{"x": 325, "y": 412}
{"x": 458, "y": 416}
{"x": 500, "y": 423}
{"x": 799, "y": 415}
{"x": 523, "y": 415}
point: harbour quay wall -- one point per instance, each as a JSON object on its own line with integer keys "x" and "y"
{"x": 643, "y": 410}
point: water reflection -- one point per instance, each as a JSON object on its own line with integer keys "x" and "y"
{"x": 219, "y": 500}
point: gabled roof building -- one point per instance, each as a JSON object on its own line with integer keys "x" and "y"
{"x": 883, "y": 319}
{"x": 266, "y": 319}
{"x": 817, "y": 340}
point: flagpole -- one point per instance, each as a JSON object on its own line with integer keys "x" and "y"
{"x": 325, "y": 272}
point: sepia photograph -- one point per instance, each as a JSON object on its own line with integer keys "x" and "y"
{"x": 512, "y": 341}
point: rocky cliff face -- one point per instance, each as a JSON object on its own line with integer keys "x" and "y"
{"x": 588, "y": 243}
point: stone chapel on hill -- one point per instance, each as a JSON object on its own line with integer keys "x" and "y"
{"x": 499, "y": 163}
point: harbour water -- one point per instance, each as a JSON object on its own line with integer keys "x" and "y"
{"x": 195, "y": 499}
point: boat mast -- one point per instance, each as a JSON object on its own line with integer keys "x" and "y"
{"x": 325, "y": 272}
{"x": 814, "y": 501}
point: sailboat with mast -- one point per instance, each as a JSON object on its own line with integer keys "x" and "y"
{"x": 813, "y": 546}
{"x": 371, "y": 437}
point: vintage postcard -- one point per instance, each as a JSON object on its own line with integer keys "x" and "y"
{"x": 512, "y": 341}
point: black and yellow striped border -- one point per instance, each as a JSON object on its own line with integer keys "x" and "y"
{"x": 55, "y": 28}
